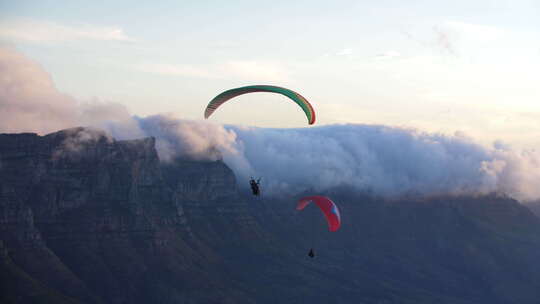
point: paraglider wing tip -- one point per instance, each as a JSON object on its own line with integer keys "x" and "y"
{"x": 207, "y": 114}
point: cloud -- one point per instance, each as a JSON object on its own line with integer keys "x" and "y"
{"x": 242, "y": 70}
{"x": 45, "y": 31}
{"x": 345, "y": 52}
{"x": 79, "y": 139}
{"x": 110, "y": 116}
{"x": 517, "y": 173}
{"x": 388, "y": 55}
{"x": 28, "y": 99}
{"x": 187, "y": 138}
{"x": 29, "y": 102}
{"x": 387, "y": 161}
{"x": 363, "y": 157}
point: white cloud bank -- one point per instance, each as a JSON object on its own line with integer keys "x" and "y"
{"x": 388, "y": 161}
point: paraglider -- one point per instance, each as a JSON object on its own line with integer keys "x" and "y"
{"x": 255, "y": 186}
{"x": 328, "y": 208}
{"x": 229, "y": 94}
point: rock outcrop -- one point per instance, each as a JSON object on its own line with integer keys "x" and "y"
{"x": 95, "y": 219}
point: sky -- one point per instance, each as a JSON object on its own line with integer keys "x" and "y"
{"x": 460, "y": 66}
{"x": 423, "y": 98}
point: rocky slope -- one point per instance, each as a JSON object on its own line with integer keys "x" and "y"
{"x": 95, "y": 220}
{"x": 88, "y": 219}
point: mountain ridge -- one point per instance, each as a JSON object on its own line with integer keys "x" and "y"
{"x": 89, "y": 219}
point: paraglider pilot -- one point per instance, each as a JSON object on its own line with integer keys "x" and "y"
{"x": 311, "y": 253}
{"x": 255, "y": 186}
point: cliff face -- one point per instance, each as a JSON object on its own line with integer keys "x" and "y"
{"x": 95, "y": 219}
{"x": 87, "y": 219}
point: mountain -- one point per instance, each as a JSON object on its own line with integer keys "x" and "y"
{"x": 85, "y": 218}
{"x": 534, "y": 207}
